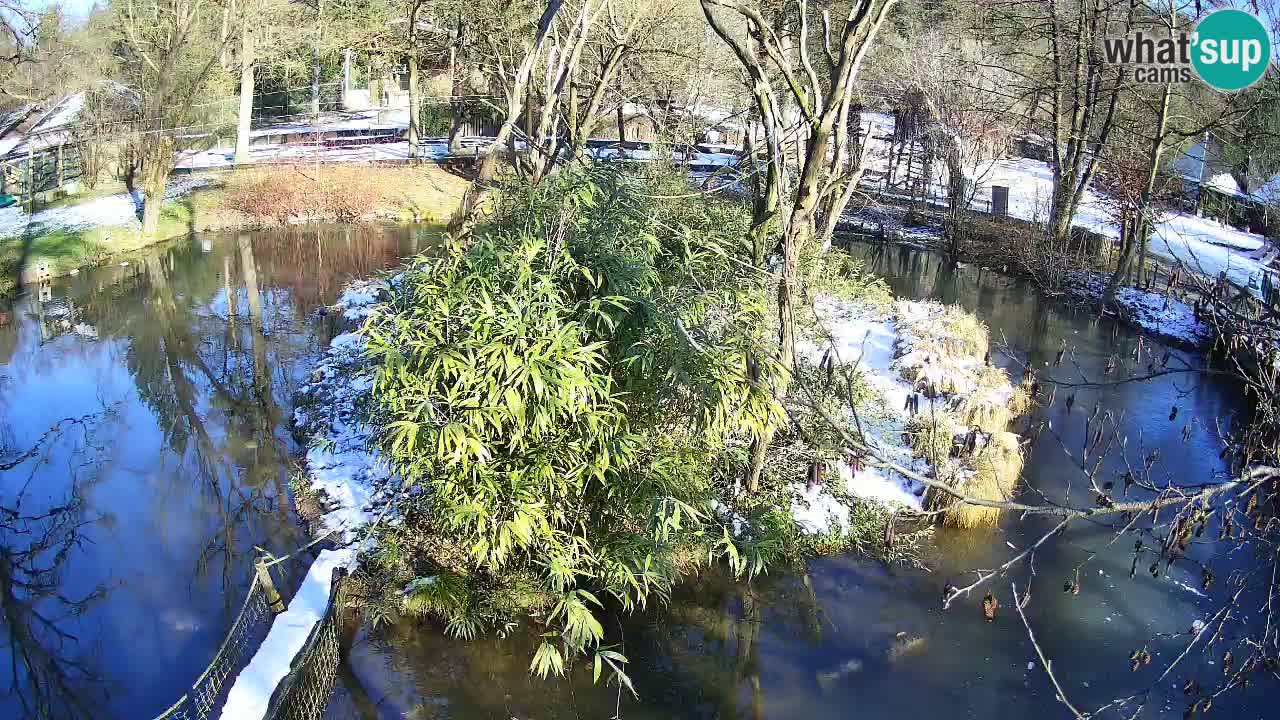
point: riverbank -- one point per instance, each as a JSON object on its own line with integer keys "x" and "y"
{"x": 1159, "y": 312}
{"x": 73, "y": 233}
{"x": 823, "y": 634}
{"x": 632, "y": 431}
{"x": 909, "y": 361}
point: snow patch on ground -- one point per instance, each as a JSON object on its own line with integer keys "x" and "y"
{"x": 358, "y": 298}
{"x": 882, "y": 341}
{"x": 1202, "y": 244}
{"x": 251, "y": 693}
{"x": 892, "y": 222}
{"x": 866, "y": 336}
{"x": 1152, "y": 312}
{"x": 342, "y": 466}
{"x": 122, "y": 210}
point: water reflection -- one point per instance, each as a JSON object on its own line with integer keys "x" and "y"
{"x": 130, "y": 554}
{"x": 845, "y": 637}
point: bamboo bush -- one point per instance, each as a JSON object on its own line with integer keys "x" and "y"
{"x": 557, "y": 388}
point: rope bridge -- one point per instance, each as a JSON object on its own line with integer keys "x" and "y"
{"x": 304, "y": 693}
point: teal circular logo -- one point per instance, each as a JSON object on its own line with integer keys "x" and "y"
{"x": 1231, "y": 49}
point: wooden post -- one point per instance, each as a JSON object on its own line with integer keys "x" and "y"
{"x": 274, "y": 601}
{"x": 31, "y": 177}
{"x": 61, "y": 175}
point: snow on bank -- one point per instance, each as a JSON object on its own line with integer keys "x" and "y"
{"x": 251, "y": 693}
{"x": 891, "y": 221}
{"x": 352, "y": 480}
{"x": 889, "y": 345}
{"x": 351, "y": 476}
{"x": 1202, "y": 244}
{"x": 868, "y": 337}
{"x": 358, "y": 299}
{"x": 1161, "y": 316}
{"x": 122, "y": 210}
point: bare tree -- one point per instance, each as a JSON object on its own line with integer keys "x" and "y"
{"x": 517, "y": 98}
{"x": 168, "y": 48}
{"x": 789, "y": 48}
{"x": 942, "y": 70}
{"x": 1068, "y": 89}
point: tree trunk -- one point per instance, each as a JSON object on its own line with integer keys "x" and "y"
{"x": 157, "y": 161}
{"x": 622, "y": 115}
{"x": 375, "y": 87}
{"x": 414, "y": 131}
{"x": 315, "y": 82}
{"x": 456, "y": 107}
{"x": 245, "y": 117}
{"x": 956, "y": 195}
{"x": 1140, "y": 225}
{"x": 517, "y": 100}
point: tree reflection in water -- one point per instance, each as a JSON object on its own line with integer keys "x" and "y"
{"x": 201, "y": 344}
{"x": 50, "y": 671}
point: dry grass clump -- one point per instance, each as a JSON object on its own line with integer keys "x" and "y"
{"x": 935, "y": 373}
{"x": 279, "y": 194}
{"x": 943, "y": 351}
{"x": 993, "y": 475}
{"x": 947, "y": 329}
{"x": 942, "y": 347}
{"x": 965, "y": 331}
{"x": 993, "y": 403}
{"x": 932, "y": 435}
{"x": 285, "y": 194}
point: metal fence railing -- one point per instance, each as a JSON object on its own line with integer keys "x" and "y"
{"x": 46, "y": 170}
{"x": 304, "y": 692}
{"x": 200, "y": 701}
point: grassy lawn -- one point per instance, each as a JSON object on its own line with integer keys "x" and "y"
{"x": 420, "y": 193}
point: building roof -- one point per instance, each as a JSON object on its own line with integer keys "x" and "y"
{"x": 37, "y": 127}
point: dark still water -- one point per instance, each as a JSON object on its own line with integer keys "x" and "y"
{"x": 145, "y": 451}
{"x": 845, "y": 637}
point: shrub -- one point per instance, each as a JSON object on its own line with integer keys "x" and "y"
{"x": 284, "y": 194}
{"x": 558, "y": 387}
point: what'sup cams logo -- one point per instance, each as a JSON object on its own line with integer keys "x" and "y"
{"x": 1229, "y": 50}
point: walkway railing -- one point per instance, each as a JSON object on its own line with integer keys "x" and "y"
{"x": 202, "y": 698}
{"x": 304, "y": 692}
{"x": 261, "y": 603}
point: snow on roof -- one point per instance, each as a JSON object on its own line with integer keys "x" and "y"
{"x": 1224, "y": 183}
{"x": 1268, "y": 192}
{"x": 64, "y": 113}
{"x": 53, "y": 126}
{"x": 12, "y": 118}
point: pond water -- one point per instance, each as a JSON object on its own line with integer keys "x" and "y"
{"x": 157, "y": 396}
{"x": 845, "y": 637}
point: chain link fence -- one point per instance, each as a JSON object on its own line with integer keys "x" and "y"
{"x": 200, "y": 701}
{"x": 304, "y": 692}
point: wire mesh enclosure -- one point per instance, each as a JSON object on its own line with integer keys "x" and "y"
{"x": 304, "y": 692}
{"x": 200, "y": 701}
